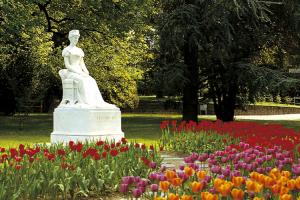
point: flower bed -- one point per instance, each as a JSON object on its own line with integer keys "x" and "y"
{"x": 240, "y": 172}
{"x": 64, "y": 172}
{"x": 181, "y": 136}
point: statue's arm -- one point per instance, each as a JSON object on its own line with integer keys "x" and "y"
{"x": 70, "y": 67}
{"x": 83, "y": 67}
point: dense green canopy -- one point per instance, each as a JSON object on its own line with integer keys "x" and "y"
{"x": 33, "y": 33}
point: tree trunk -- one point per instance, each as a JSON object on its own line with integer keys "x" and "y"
{"x": 190, "y": 89}
{"x": 224, "y": 109}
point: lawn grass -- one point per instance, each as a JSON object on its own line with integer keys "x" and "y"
{"x": 37, "y": 128}
{"x": 142, "y": 128}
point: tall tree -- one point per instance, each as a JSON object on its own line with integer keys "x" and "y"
{"x": 113, "y": 35}
{"x": 210, "y": 40}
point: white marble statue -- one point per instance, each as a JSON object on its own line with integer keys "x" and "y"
{"x": 76, "y": 79}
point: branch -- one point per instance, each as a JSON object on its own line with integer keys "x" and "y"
{"x": 44, "y": 10}
{"x": 62, "y": 20}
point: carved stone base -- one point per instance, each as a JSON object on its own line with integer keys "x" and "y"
{"x": 80, "y": 124}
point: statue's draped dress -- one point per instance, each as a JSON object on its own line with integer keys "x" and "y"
{"x": 88, "y": 91}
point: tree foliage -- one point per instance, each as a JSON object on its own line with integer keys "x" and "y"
{"x": 113, "y": 35}
{"x": 225, "y": 36}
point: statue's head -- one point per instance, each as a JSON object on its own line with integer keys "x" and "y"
{"x": 74, "y": 36}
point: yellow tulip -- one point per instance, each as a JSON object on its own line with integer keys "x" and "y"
{"x": 159, "y": 198}
{"x": 258, "y": 198}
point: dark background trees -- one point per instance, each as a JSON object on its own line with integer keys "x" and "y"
{"x": 217, "y": 42}
{"x": 230, "y": 52}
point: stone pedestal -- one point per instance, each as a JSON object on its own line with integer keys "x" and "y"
{"x": 81, "y": 124}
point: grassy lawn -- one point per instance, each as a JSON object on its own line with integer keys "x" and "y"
{"x": 36, "y": 128}
{"x": 137, "y": 127}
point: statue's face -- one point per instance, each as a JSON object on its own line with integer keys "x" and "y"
{"x": 74, "y": 39}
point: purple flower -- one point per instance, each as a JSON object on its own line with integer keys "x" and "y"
{"x": 207, "y": 178}
{"x": 152, "y": 176}
{"x": 249, "y": 167}
{"x": 236, "y": 173}
{"x": 296, "y": 169}
{"x": 187, "y": 160}
{"x": 181, "y": 167}
{"x": 142, "y": 183}
{"x": 137, "y": 179}
{"x": 137, "y": 192}
{"x": 268, "y": 169}
{"x": 154, "y": 187}
{"x": 215, "y": 169}
{"x": 226, "y": 172}
{"x": 124, "y": 188}
{"x": 126, "y": 180}
{"x": 223, "y": 159}
{"x": 152, "y": 165}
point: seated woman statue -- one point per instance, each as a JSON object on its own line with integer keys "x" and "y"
{"x": 88, "y": 94}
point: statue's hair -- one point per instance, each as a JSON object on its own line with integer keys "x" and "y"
{"x": 73, "y": 33}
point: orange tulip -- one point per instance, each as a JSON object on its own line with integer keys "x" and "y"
{"x": 225, "y": 188}
{"x": 218, "y": 182}
{"x": 258, "y": 198}
{"x": 276, "y": 189}
{"x": 274, "y": 173}
{"x": 176, "y": 181}
{"x": 286, "y": 197}
{"x": 208, "y": 196}
{"x": 159, "y": 198}
{"x": 284, "y": 190}
{"x": 164, "y": 185}
{"x": 261, "y": 179}
{"x": 254, "y": 175}
{"x": 188, "y": 171}
{"x": 170, "y": 174}
{"x": 172, "y": 196}
{"x": 282, "y": 180}
{"x": 297, "y": 182}
{"x": 196, "y": 186}
{"x": 269, "y": 182}
{"x": 201, "y": 174}
{"x": 286, "y": 174}
{"x": 186, "y": 197}
{"x": 291, "y": 184}
{"x": 253, "y": 186}
{"x": 237, "y": 181}
{"x": 237, "y": 194}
